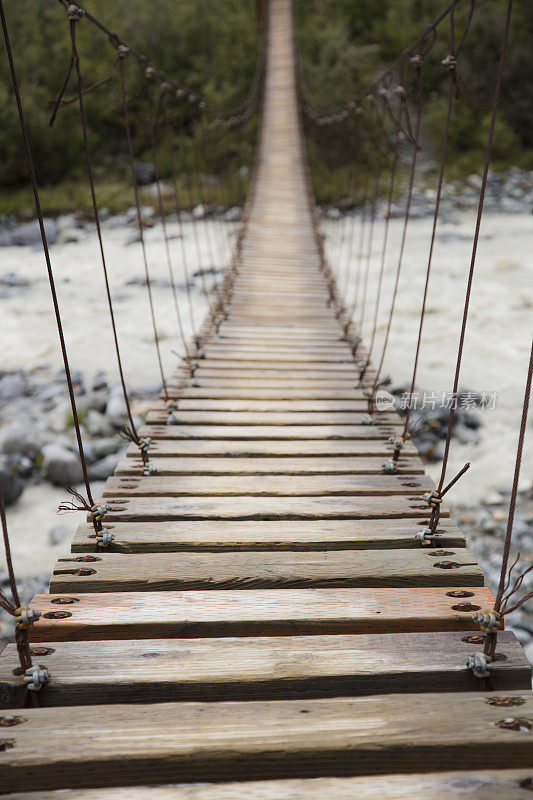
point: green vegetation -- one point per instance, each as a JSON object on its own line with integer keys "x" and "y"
{"x": 345, "y": 44}
{"x": 208, "y": 45}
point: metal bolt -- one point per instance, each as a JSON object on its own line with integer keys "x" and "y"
{"x": 58, "y": 615}
{"x": 441, "y": 553}
{"x": 88, "y": 558}
{"x": 446, "y": 564}
{"x": 42, "y": 651}
{"x": 6, "y": 744}
{"x": 465, "y": 607}
{"x": 8, "y": 721}
{"x": 515, "y": 724}
{"x": 459, "y": 593}
{"x": 527, "y": 783}
{"x": 65, "y": 601}
{"x": 475, "y": 638}
{"x": 505, "y": 701}
{"x": 84, "y": 571}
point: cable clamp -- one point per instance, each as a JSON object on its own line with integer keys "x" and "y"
{"x": 25, "y": 617}
{"x": 98, "y": 513}
{"x": 425, "y": 537}
{"x": 105, "y": 537}
{"x": 35, "y": 678}
{"x": 390, "y": 466}
{"x": 75, "y": 13}
{"x": 450, "y": 62}
{"x": 433, "y": 498}
{"x": 488, "y": 621}
{"x": 478, "y": 665}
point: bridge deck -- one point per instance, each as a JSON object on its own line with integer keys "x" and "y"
{"x": 264, "y": 611}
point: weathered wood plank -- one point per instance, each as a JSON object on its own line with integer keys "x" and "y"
{"x": 242, "y": 507}
{"x": 288, "y": 667}
{"x": 504, "y": 784}
{"x": 223, "y": 741}
{"x": 256, "y": 612}
{"x": 188, "y": 404}
{"x": 183, "y": 417}
{"x": 269, "y": 466}
{"x": 261, "y": 391}
{"x": 147, "y": 572}
{"x": 275, "y": 485}
{"x": 292, "y": 432}
{"x": 240, "y": 448}
{"x": 220, "y": 535}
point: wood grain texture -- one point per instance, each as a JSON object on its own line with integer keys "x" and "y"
{"x": 288, "y": 667}
{"x": 223, "y": 741}
{"x": 266, "y": 431}
{"x": 274, "y": 485}
{"x": 247, "y": 507}
{"x": 503, "y": 784}
{"x": 256, "y": 612}
{"x": 220, "y": 535}
{"x": 262, "y": 418}
{"x": 147, "y": 572}
{"x": 356, "y": 465}
{"x": 238, "y": 448}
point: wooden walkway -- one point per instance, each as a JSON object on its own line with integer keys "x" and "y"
{"x": 264, "y": 613}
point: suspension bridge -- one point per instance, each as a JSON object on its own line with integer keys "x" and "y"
{"x": 255, "y": 615}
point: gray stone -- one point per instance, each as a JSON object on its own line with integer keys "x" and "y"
{"x": 144, "y": 172}
{"x": 97, "y": 424}
{"x": 199, "y": 212}
{"x": 12, "y": 487}
{"x": 232, "y": 214}
{"x": 19, "y": 437}
{"x": 99, "y": 382}
{"x": 61, "y": 466}
{"x": 116, "y": 410}
{"x": 104, "y": 447}
{"x": 13, "y": 385}
{"x": 101, "y": 470}
{"x": 13, "y": 281}
{"x": 29, "y": 233}
{"x": 58, "y": 534}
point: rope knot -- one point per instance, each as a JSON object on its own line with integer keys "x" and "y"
{"x": 390, "y": 466}
{"x": 433, "y": 498}
{"x": 450, "y": 62}
{"x": 488, "y": 621}
{"x": 478, "y": 665}
{"x": 98, "y": 513}
{"x": 75, "y": 13}
{"x": 105, "y": 537}
{"x": 35, "y": 678}
{"x": 25, "y": 617}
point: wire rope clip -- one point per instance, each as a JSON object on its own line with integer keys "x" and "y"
{"x": 433, "y": 498}
{"x": 488, "y": 621}
{"x": 390, "y": 467}
{"x": 478, "y": 665}
{"x": 104, "y": 537}
{"x": 150, "y": 469}
{"x": 35, "y": 678}
{"x": 25, "y": 617}
{"x": 425, "y": 537}
{"x": 75, "y": 13}
{"x": 98, "y": 513}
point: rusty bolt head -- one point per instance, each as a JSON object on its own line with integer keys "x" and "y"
{"x": 9, "y": 721}
{"x": 84, "y": 571}
{"x": 42, "y": 651}
{"x": 466, "y": 607}
{"x": 88, "y": 558}
{"x": 459, "y": 593}
{"x": 441, "y": 553}
{"x": 474, "y": 638}
{"x": 65, "y": 601}
{"x": 515, "y": 724}
{"x": 527, "y": 783}
{"x": 58, "y": 614}
{"x": 447, "y": 564}
{"x": 505, "y": 701}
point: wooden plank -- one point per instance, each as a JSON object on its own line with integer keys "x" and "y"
{"x": 188, "y": 404}
{"x": 269, "y": 466}
{"x": 147, "y": 572}
{"x": 327, "y": 368}
{"x": 262, "y": 392}
{"x": 503, "y": 784}
{"x": 293, "y": 432}
{"x": 307, "y": 380}
{"x": 223, "y": 741}
{"x": 288, "y": 668}
{"x": 239, "y": 448}
{"x": 220, "y": 535}
{"x": 274, "y": 485}
{"x": 159, "y": 417}
{"x": 257, "y": 612}
{"x": 242, "y": 507}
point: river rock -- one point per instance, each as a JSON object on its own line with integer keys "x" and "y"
{"x": 13, "y": 385}
{"x": 101, "y": 470}
{"x": 12, "y": 486}
{"x": 61, "y": 466}
{"x": 97, "y": 424}
{"x": 106, "y": 446}
{"x": 58, "y": 534}
{"x": 144, "y": 172}
{"x": 19, "y": 437}
{"x": 29, "y": 233}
